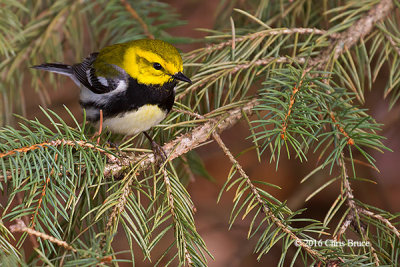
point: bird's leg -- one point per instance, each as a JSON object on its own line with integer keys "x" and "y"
{"x": 100, "y": 125}
{"x": 157, "y": 149}
{"x": 98, "y": 133}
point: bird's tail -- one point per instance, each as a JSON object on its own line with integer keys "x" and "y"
{"x": 55, "y": 67}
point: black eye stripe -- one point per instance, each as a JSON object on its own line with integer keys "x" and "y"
{"x": 157, "y": 66}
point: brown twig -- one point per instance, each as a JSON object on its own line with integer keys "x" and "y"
{"x": 373, "y": 250}
{"x": 266, "y": 61}
{"x": 347, "y": 222}
{"x": 25, "y": 219}
{"x": 24, "y": 149}
{"x": 291, "y": 103}
{"x": 355, "y": 209}
{"x": 380, "y": 218}
{"x": 348, "y": 191}
{"x": 56, "y": 143}
{"x": 393, "y": 43}
{"x": 264, "y": 207}
{"x": 350, "y": 140}
{"x": 136, "y": 16}
{"x": 21, "y": 227}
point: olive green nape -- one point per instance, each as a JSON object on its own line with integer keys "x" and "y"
{"x": 114, "y": 54}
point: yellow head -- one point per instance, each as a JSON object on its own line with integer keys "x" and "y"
{"x": 148, "y": 61}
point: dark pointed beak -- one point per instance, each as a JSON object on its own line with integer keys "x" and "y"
{"x": 179, "y": 76}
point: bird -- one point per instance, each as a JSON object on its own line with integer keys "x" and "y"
{"x": 126, "y": 87}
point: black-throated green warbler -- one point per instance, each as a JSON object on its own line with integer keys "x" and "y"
{"x": 131, "y": 84}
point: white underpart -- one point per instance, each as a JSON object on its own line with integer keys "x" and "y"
{"x": 101, "y": 99}
{"x": 135, "y": 121}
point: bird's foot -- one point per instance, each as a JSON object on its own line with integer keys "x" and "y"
{"x": 115, "y": 146}
{"x": 157, "y": 149}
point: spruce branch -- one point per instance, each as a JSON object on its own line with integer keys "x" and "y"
{"x": 353, "y": 217}
{"x": 353, "y": 34}
{"x": 380, "y": 218}
{"x": 21, "y": 227}
{"x": 59, "y": 142}
{"x": 291, "y": 103}
{"x": 176, "y": 219}
{"x": 25, "y": 219}
{"x": 183, "y": 143}
{"x": 239, "y": 67}
{"x": 260, "y": 34}
{"x": 342, "y": 42}
{"x": 267, "y": 211}
{"x": 43, "y": 194}
{"x": 120, "y": 206}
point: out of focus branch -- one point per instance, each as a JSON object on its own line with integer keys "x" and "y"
{"x": 136, "y": 16}
{"x": 354, "y": 34}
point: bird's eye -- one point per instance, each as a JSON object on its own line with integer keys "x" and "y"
{"x": 157, "y": 66}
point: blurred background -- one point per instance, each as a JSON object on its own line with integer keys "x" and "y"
{"x": 231, "y": 247}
